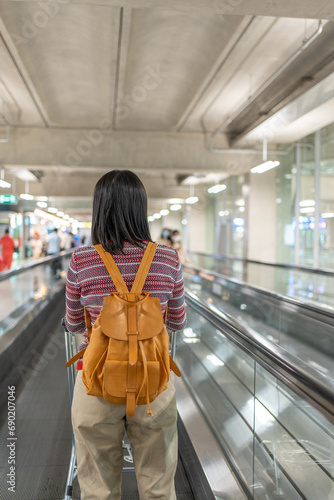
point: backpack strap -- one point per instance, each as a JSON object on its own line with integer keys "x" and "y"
{"x": 112, "y": 269}
{"x": 80, "y": 353}
{"x": 133, "y": 333}
{"x": 144, "y": 267}
{"x": 76, "y": 356}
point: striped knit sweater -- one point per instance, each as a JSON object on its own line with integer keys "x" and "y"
{"x": 88, "y": 282}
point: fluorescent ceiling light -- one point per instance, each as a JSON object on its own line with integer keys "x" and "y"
{"x": 42, "y": 204}
{"x": 60, "y": 213}
{"x": 216, "y": 188}
{"x": 263, "y": 167}
{"x": 26, "y": 196}
{"x": 157, "y": 215}
{"x": 307, "y": 203}
{"x": 24, "y": 174}
{"x": 66, "y": 217}
{"x": 175, "y": 207}
{"x": 223, "y": 212}
{"x": 53, "y": 210}
{"x": 41, "y": 198}
{"x": 305, "y": 210}
{"x": 150, "y": 218}
{"x": 327, "y": 215}
{"x": 48, "y": 216}
{"x": 164, "y": 211}
{"x": 176, "y": 200}
{"x": 191, "y": 200}
{"x": 4, "y": 184}
{"x": 191, "y": 180}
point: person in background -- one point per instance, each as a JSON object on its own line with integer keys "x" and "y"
{"x": 28, "y": 247}
{"x": 165, "y": 237}
{"x": 177, "y": 245}
{"x": 54, "y": 242}
{"x": 77, "y": 240}
{"x": 68, "y": 241}
{"x": 87, "y": 241}
{"x": 53, "y": 249}
{"x": 7, "y": 244}
{"x": 36, "y": 246}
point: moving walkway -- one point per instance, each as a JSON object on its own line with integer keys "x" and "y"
{"x": 267, "y": 412}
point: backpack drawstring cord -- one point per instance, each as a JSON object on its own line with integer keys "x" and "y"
{"x": 145, "y": 379}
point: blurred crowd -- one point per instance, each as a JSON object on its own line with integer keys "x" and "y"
{"x": 35, "y": 246}
{"x": 172, "y": 238}
{"x": 56, "y": 240}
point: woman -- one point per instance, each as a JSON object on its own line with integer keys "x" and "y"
{"x": 165, "y": 237}
{"x": 120, "y": 225}
{"x": 177, "y": 245}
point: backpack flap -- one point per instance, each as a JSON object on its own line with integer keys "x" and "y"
{"x": 114, "y": 320}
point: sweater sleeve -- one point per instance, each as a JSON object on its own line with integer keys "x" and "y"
{"x": 176, "y": 311}
{"x": 75, "y": 316}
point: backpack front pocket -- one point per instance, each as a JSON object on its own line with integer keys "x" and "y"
{"x": 115, "y": 378}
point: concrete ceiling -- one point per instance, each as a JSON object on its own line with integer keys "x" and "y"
{"x": 88, "y": 86}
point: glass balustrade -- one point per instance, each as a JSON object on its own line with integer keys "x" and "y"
{"x": 23, "y": 289}
{"x": 305, "y": 285}
{"x": 277, "y": 443}
{"x": 305, "y": 332}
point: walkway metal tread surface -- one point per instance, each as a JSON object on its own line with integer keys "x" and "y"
{"x": 43, "y": 426}
{"x": 43, "y": 430}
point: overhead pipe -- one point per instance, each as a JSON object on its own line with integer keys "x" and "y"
{"x": 271, "y": 79}
{"x": 249, "y": 151}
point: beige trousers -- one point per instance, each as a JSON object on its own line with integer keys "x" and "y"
{"x": 99, "y": 430}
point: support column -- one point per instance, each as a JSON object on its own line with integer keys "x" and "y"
{"x": 317, "y": 151}
{"x": 297, "y": 201}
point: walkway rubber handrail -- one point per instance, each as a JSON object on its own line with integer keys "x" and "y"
{"x": 302, "y": 378}
{"x": 312, "y": 270}
{"x": 30, "y": 265}
{"x": 323, "y": 309}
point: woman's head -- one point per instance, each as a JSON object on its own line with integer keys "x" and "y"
{"x": 176, "y": 235}
{"x": 119, "y": 211}
{"x": 165, "y": 233}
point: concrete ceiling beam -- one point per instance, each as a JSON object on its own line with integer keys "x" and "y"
{"x": 322, "y": 9}
{"x": 154, "y": 152}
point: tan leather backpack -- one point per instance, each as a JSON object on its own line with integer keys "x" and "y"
{"x": 127, "y": 360}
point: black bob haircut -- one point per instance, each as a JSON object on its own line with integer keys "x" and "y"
{"x": 119, "y": 211}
